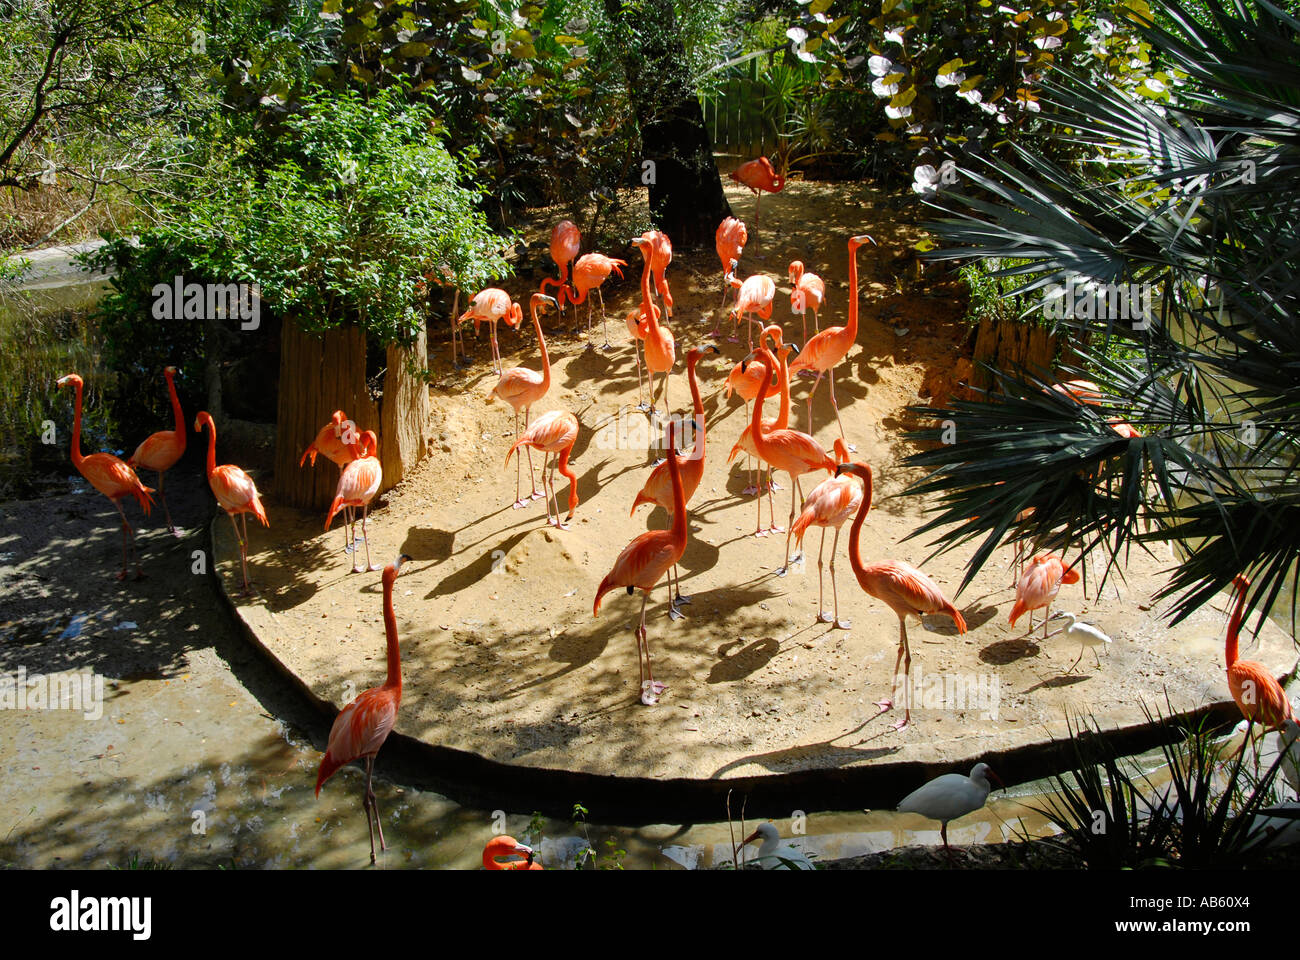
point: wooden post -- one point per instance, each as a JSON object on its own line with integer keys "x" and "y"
{"x": 405, "y": 411}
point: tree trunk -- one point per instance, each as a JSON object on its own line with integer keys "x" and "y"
{"x": 1012, "y": 345}
{"x": 318, "y": 375}
{"x": 686, "y": 197}
{"x": 405, "y": 412}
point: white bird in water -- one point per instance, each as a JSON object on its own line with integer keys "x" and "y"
{"x": 951, "y": 796}
{"x": 1087, "y": 635}
{"x": 773, "y": 854}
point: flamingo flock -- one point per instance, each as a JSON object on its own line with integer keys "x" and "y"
{"x": 842, "y": 494}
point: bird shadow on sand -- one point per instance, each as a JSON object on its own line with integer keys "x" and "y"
{"x": 476, "y": 570}
{"x": 1060, "y": 680}
{"x": 822, "y": 753}
{"x": 1003, "y": 652}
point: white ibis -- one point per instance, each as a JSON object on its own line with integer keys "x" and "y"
{"x": 950, "y": 797}
{"x": 1087, "y": 635}
{"x": 775, "y": 855}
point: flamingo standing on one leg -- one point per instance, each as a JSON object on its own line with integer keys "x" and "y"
{"x": 831, "y": 502}
{"x": 111, "y": 477}
{"x": 789, "y": 450}
{"x": 1039, "y": 585}
{"x": 363, "y": 725}
{"x": 643, "y": 563}
{"x": 554, "y": 433}
{"x": 759, "y": 175}
{"x": 729, "y": 241}
{"x": 566, "y": 241}
{"x": 1258, "y": 695}
{"x": 832, "y": 345}
{"x": 658, "y": 487}
{"x": 780, "y": 422}
{"x": 754, "y": 296}
{"x": 660, "y": 347}
{"x": 808, "y": 292}
{"x": 592, "y": 270}
{"x": 358, "y": 483}
{"x": 489, "y": 306}
{"x": 235, "y": 492}
{"x": 161, "y": 450}
{"x": 900, "y": 585}
{"x": 521, "y": 388}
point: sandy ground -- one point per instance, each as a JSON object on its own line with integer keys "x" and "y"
{"x": 502, "y": 654}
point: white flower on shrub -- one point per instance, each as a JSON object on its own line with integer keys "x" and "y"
{"x": 988, "y": 108}
{"x": 894, "y": 36}
{"x": 1105, "y": 26}
{"x": 1047, "y": 43}
{"x": 971, "y": 96}
{"x": 883, "y": 90}
{"x": 926, "y": 179}
{"x": 881, "y": 66}
{"x": 954, "y": 79}
{"x": 898, "y": 113}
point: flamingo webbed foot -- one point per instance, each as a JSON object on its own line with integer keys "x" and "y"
{"x": 884, "y": 705}
{"x": 824, "y": 617}
{"x": 843, "y": 624}
{"x": 520, "y": 503}
{"x": 749, "y": 491}
{"x": 651, "y": 690}
{"x": 674, "y": 613}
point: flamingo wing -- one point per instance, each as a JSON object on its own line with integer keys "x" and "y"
{"x": 158, "y": 451}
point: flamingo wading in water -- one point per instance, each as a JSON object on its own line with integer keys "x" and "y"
{"x": 643, "y": 563}
{"x": 363, "y": 725}
{"x": 160, "y": 451}
{"x": 359, "y": 481}
{"x": 554, "y": 433}
{"x": 235, "y": 492}
{"x": 905, "y": 589}
{"x": 1258, "y": 695}
{"x": 826, "y": 349}
{"x": 111, "y": 477}
{"x": 521, "y": 388}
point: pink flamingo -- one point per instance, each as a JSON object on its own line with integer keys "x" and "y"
{"x": 503, "y": 853}
{"x": 235, "y": 492}
{"x": 905, "y": 589}
{"x": 330, "y": 443}
{"x": 808, "y": 292}
{"x": 661, "y": 255}
{"x": 160, "y": 451}
{"x": 660, "y": 347}
{"x": 643, "y": 563}
{"x": 754, "y": 296}
{"x": 359, "y": 481}
{"x": 759, "y": 175}
{"x": 830, "y": 503}
{"x": 363, "y": 725}
{"x": 554, "y": 433}
{"x": 780, "y": 422}
{"x": 566, "y": 241}
{"x": 789, "y": 450}
{"x": 592, "y": 270}
{"x": 1039, "y": 585}
{"x": 521, "y": 388}
{"x": 111, "y": 477}
{"x": 729, "y": 241}
{"x": 1258, "y": 695}
{"x": 658, "y": 488}
{"x": 491, "y": 305}
{"x": 832, "y": 345}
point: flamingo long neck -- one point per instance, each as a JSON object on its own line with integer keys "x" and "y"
{"x": 756, "y": 427}
{"x": 563, "y": 466}
{"x": 394, "y": 680}
{"x": 212, "y": 446}
{"x": 541, "y": 341}
{"x": 178, "y": 418}
{"x": 855, "y": 553}
{"x": 851, "y": 328}
{"x": 76, "y": 427}
{"x": 1234, "y": 625}
{"x": 783, "y": 414}
{"x": 697, "y": 406}
{"x": 678, "y": 529}
{"x": 647, "y": 305}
